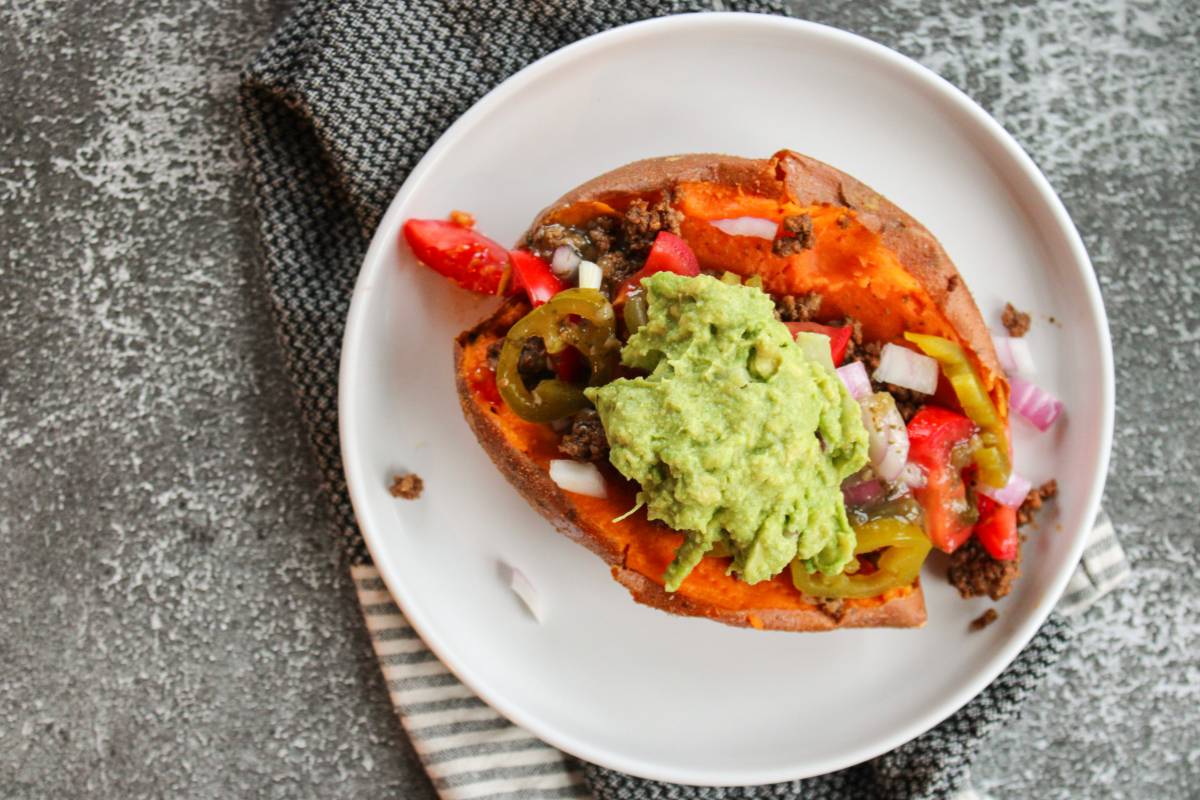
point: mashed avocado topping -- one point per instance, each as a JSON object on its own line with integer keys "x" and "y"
{"x": 736, "y": 436}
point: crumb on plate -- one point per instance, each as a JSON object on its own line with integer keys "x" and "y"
{"x": 984, "y": 619}
{"x": 407, "y": 486}
{"x": 1015, "y": 322}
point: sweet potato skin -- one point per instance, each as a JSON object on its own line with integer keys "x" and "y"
{"x": 788, "y": 181}
{"x": 907, "y": 611}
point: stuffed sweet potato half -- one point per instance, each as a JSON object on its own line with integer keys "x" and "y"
{"x": 756, "y": 388}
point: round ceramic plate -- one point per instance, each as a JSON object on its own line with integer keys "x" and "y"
{"x": 666, "y": 697}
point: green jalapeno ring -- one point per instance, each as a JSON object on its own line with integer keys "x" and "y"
{"x": 593, "y": 335}
{"x": 904, "y": 545}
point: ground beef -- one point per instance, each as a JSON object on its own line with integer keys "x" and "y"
{"x": 616, "y": 267}
{"x": 869, "y": 356}
{"x": 975, "y": 573}
{"x": 1034, "y": 500}
{"x": 799, "y": 236}
{"x": 855, "y": 349}
{"x": 602, "y": 232}
{"x": 908, "y": 402}
{"x": 984, "y": 619}
{"x": 797, "y": 307}
{"x": 1015, "y": 322}
{"x": 585, "y": 439}
{"x": 534, "y": 363}
{"x": 407, "y": 486}
{"x": 548, "y": 238}
{"x": 618, "y": 244}
{"x": 643, "y": 222}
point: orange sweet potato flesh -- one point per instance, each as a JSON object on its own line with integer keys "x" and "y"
{"x": 869, "y": 260}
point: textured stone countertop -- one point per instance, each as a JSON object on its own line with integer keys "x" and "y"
{"x": 173, "y": 620}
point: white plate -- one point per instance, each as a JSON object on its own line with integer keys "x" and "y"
{"x": 610, "y": 681}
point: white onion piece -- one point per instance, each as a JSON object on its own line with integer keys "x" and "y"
{"x": 578, "y": 477}
{"x": 913, "y": 476}
{"x": 854, "y": 375}
{"x": 1012, "y": 494}
{"x": 887, "y": 436}
{"x": 1015, "y": 356}
{"x": 565, "y": 262}
{"x": 908, "y": 368}
{"x": 522, "y": 588}
{"x": 1034, "y": 403}
{"x": 590, "y": 275}
{"x": 748, "y": 226}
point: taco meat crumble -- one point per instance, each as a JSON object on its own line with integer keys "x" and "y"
{"x": 984, "y": 619}
{"x": 797, "y": 307}
{"x": 585, "y": 439}
{"x": 1034, "y": 501}
{"x": 407, "y": 487}
{"x": 1015, "y": 322}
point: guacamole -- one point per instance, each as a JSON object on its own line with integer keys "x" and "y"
{"x": 736, "y": 435}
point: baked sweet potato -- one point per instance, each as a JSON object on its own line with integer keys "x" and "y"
{"x": 867, "y": 259}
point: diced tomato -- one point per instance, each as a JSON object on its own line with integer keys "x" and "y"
{"x": 533, "y": 276}
{"x": 668, "y": 254}
{"x": 463, "y": 255}
{"x": 839, "y": 338}
{"x": 997, "y": 529}
{"x": 932, "y": 436}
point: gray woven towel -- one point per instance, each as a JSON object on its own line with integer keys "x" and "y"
{"x": 336, "y": 111}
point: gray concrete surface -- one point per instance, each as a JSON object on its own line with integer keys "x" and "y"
{"x": 173, "y": 621}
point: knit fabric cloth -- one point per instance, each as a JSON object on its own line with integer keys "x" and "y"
{"x": 336, "y": 111}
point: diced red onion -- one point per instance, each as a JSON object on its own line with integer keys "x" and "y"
{"x": 913, "y": 476}
{"x": 590, "y": 275}
{"x": 1012, "y": 494}
{"x": 565, "y": 262}
{"x": 523, "y": 588}
{"x": 1034, "y": 403}
{"x": 1015, "y": 356}
{"x": 887, "y": 436}
{"x": 863, "y": 493}
{"x": 908, "y": 368}
{"x": 748, "y": 226}
{"x": 854, "y": 375}
{"x": 578, "y": 477}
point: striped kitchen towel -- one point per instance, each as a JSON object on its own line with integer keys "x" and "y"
{"x": 471, "y": 752}
{"x": 468, "y": 749}
{"x": 1102, "y": 569}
